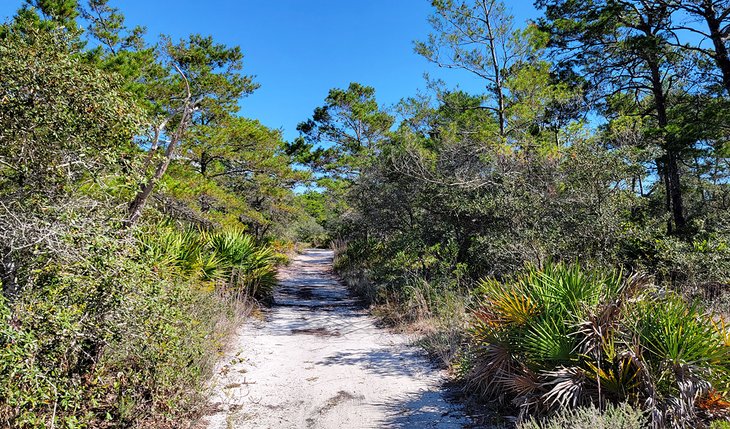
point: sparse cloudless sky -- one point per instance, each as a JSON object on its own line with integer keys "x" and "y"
{"x": 299, "y": 49}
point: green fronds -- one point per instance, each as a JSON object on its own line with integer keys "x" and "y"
{"x": 227, "y": 258}
{"x": 233, "y": 245}
{"x": 562, "y": 337}
{"x": 673, "y": 333}
{"x": 547, "y": 340}
{"x": 252, "y": 267}
{"x": 505, "y": 306}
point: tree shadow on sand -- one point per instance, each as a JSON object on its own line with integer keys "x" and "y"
{"x": 384, "y": 362}
{"x": 426, "y": 409}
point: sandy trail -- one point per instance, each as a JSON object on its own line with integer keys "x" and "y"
{"x": 319, "y": 361}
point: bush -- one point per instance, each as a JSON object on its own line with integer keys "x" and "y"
{"x": 228, "y": 258}
{"x": 561, "y": 336}
{"x": 307, "y": 230}
{"x": 122, "y": 331}
{"x": 55, "y": 337}
{"x": 622, "y": 416}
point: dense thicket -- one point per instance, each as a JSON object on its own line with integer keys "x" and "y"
{"x": 600, "y": 139}
{"x": 137, "y": 216}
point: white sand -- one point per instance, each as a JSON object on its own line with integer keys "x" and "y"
{"x": 319, "y": 361}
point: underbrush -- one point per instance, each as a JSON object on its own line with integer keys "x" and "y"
{"x": 111, "y": 332}
{"x": 558, "y": 340}
{"x": 560, "y": 337}
{"x": 622, "y": 416}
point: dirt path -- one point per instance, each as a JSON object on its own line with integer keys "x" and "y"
{"x": 319, "y": 361}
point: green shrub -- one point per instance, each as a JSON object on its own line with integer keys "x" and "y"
{"x": 250, "y": 268}
{"x": 622, "y": 416}
{"x": 114, "y": 331}
{"x": 227, "y": 258}
{"x": 562, "y": 337}
{"x": 308, "y": 230}
{"x": 528, "y": 325}
{"x": 101, "y": 337}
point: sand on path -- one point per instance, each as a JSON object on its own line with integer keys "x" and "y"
{"x": 318, "y": 360}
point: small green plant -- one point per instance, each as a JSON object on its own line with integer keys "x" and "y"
{"x": 250, "y": 268}
{"x": 621, "y": 416}
{"x": 720, "y": 424}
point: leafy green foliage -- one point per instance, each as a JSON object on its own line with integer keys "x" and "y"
{"x": 472, "y": 186}
{"x": 561, "y": 337}
{"x": 251, "y": 267}
{"x": 229, "y": 259}
{"x": 102, "y": 338}
{"x": 244, "y": 158}
{"x": 98, "y": 327}
{"x": 340, "y": 139}
{"x": 49, "y": 94}
{"x": 106, "y": 328}
{"x": 106, "y": 24}
{"x": 62, "y": 12}
{"x": 342, "y": 135}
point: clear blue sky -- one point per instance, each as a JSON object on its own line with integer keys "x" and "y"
{"x": 299, "y": 49}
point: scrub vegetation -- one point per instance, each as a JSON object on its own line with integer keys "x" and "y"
{"x": 140, "y": 218}
{"x": 560, "y": 240}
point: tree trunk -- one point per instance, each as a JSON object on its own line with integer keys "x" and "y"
{"x": 675, "y": 190}
{"x": 669, "y": 162}
{"x": 721, "y": 57}
{"x": 203, "y": 163}
{"x": 137, "y": 205}
{"x": 140, "y": 200}
{"x": 498, "y": 89}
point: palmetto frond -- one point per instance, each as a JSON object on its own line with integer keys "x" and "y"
{"x": 494, "y": 363}
{"x": 516, "y": 309}
{"x": 619, "y": 380}
{"x": 234, "y": 246}
{"x": 225, "y": 257}
{"x": 525, "y": 384}
{"x": 548, "y": 340}
{"x": 723, "y": 329}
{"x": 592, "y": 337}
{"x": 504, "y": 305}
{"x": 675, "y": 333}
{"x": 596, "y": 330}
{"x": 565, "y": 387}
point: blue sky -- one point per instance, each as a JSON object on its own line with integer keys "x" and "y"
{"x": 299, "y": 49}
